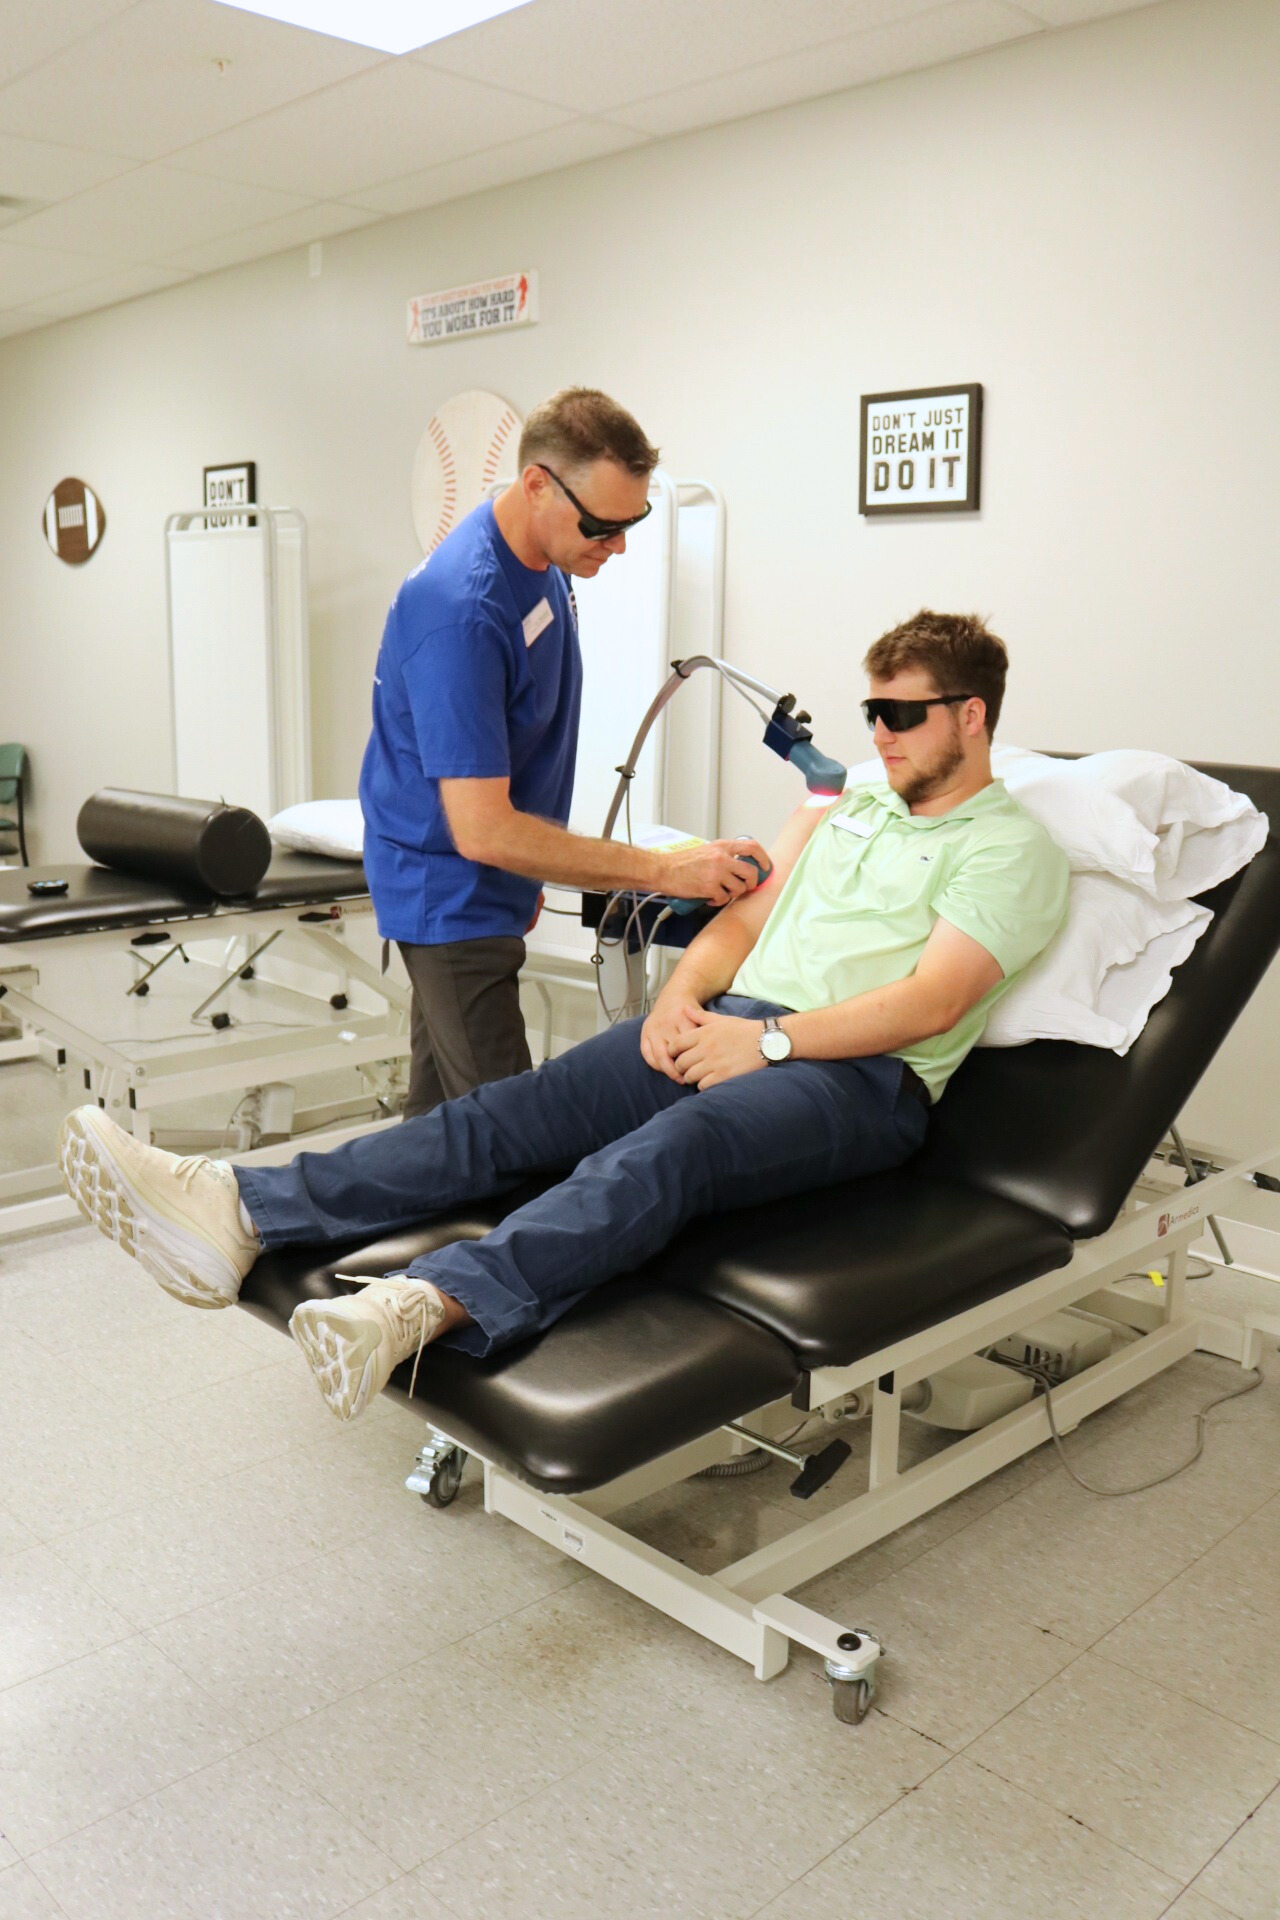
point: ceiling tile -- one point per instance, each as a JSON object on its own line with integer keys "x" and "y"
{"x": 28, "y": 274}
{"x": 150, "y": 215}
{"x": 945, "y": 33}
{"x": 148, "y": 81}
{"x": 593, "y": 54}
{"x": 396, "y": 120}
{"x": 30, "y": 32}
{"x": 36, "y": 170}
{"x": 274, "y": 236}
{"x": 128, "y": 284}
{"x": 563, "y": 146}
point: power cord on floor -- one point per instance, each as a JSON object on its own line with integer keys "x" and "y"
{"x": 1041, "y": 1377}
{"x": 1147, "y": 1273}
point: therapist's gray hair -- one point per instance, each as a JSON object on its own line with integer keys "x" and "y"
{"x": 958, "y": 650}
{"x": 579, "y": 425}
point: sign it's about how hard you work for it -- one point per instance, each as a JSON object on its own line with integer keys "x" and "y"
{"x": 921, "y": 451}
{"x": 462, "y": 313}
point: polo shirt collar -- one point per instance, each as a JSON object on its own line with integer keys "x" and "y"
{"x": 987, "y": 797}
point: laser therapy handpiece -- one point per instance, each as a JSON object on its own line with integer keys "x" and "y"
{"x": 788, "y": 733}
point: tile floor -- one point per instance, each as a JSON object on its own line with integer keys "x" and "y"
{"x": 243, "y": 1673}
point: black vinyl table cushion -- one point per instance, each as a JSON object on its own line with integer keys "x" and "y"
{"x": 102, "y": 899}
{"x": 629, "y": 1373}
{"x": 728, "y": 1317}
{"x": 849, "y": 1270}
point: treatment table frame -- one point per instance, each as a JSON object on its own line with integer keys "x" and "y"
{"x": 744, "y": 1607}
{"x": 211, "y": 1062}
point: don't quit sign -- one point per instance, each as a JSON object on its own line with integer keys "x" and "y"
{"x": 921, "y": 451}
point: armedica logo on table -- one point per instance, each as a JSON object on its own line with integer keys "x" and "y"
{"x": 1169, "y": 1220}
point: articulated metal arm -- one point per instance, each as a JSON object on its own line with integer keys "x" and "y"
{"x": 786, "y": 732}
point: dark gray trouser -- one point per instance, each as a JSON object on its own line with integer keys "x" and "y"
{"x": 466, "y": 1027}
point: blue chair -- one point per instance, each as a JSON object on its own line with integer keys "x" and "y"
{"x": 13, "y": 779}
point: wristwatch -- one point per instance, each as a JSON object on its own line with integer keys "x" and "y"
{"x": 775, "y": 1045}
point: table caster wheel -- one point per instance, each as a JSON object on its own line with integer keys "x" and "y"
{"x": 446, "y": 1478}
{"x": 246, "y": 973}
{"x": 142, "y": 989}
{"x": 338, "y": 1001}
{"x": 851, "y": 1700}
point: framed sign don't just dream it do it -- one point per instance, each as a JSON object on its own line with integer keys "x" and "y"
{"x": 921, "y": 451}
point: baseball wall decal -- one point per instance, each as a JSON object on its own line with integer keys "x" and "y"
{"x": 74, "y": 522}
{"x": 470, "y": 444}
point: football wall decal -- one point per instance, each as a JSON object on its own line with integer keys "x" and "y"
{"x": 74, "y": 522}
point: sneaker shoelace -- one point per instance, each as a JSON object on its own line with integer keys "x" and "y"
{"x": 412, "y": 1309}
{"x": 418, "y": 1315}
{"x": 190, "y": 1164}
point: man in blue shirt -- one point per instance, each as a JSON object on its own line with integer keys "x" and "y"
{"x": 468, "y": 776}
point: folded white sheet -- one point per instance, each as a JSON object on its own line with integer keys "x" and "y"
{"x": 1098, "y": 980}
{"x": 334, "y": 828}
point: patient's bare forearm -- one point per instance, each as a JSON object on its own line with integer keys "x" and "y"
{"x": 710, "y": 963}
{"x": 882, "y": 1021}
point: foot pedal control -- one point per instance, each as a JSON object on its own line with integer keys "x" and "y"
{"x": 819, "y": 1468}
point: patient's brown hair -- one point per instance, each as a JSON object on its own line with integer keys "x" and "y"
{"x": 957, "y": 650}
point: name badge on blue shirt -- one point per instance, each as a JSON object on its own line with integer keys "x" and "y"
{"x": 536, "y": 621}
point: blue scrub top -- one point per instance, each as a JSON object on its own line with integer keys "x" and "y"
{"x": 473, "y": 681}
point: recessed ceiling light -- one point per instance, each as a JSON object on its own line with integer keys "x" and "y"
{"x": 393, "y": 26}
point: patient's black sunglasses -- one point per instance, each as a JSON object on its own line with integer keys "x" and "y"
{"x": 901, "y": 715}
{"x": 590, "y": 525}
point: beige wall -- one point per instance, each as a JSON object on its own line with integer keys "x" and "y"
{"x": 1086, "y": 222}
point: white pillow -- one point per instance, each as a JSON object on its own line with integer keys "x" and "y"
{"x": 1142, "y": 816}
{"x": 1098, "y": 979}
{"x": 1204, "y": 831}
{"x": 334, "y": 828}
{"x": 1098, "y": 832}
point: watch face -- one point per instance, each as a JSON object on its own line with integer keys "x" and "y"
{"x": 775, "y": 1045}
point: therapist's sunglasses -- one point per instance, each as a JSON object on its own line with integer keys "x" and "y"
{"x": 901, "y": 715}
{"x": 590, "y": 526}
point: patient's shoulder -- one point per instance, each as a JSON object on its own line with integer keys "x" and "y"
{"x": 1010, "y": 823}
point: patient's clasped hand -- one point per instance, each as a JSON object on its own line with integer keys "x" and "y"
{"x": 799, "y": 1042}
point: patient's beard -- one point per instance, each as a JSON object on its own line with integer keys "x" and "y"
{"x": 928, "y": 781}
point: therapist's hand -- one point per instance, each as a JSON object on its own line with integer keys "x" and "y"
{"x": 537, "y": 912}
{"x": 660, "y": 1032}
{"x": 716, "y": 1046}
{"x": 717, "y": 872}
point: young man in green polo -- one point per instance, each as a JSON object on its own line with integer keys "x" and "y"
{"x": 800, "y": 1041}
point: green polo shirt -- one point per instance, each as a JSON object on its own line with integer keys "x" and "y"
{"x": 865, "y": 894}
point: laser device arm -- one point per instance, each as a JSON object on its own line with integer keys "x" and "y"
{"x": 787, "y": 732}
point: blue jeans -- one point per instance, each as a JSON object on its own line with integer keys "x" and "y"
{"x": 643, "y": 1155}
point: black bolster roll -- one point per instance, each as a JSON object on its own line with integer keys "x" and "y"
{"x": 189, "y": 843}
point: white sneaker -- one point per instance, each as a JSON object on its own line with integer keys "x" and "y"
{"x": 353, "y": 1344}
{"x": 179, "y": 1217}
